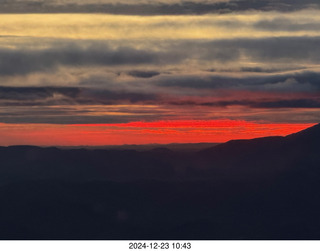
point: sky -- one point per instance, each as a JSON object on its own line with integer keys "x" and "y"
{"x": 112, "y": 72}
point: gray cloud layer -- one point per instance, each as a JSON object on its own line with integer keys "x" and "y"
{"x": 262, "y": 103}
{"x": 65, "y": 105}
{"x": 289, "y": 82}
{"x": 301, "y": 50}
{"x": 21, "y": 61}
{"x": 155, "y": 8}
{"x": 276, "y": 49}
{"x": 32, "y": 96}
{"x": 296, "y": 89}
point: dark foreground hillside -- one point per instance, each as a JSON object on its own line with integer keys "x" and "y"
{"x": 267, "y": 188}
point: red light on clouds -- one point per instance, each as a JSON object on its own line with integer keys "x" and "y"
{"x": 163, "y": 132}
{"x": 177, "y": 124}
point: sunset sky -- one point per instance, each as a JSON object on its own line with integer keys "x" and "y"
{"x": 110, "y": 72}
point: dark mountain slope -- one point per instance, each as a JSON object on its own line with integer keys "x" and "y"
{"x": 267, "y": 188}
{"x": 248, "y": 159}
{"x": 263, "y": 156}
{"x": 28, "y": 162}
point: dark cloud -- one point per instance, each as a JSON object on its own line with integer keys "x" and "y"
{"x": 143, "y": 74}
{"x": 85, "y": 115}
{"x": 36, "y": 93}
{"x": 52, "y": 96}
{"x": 74, "y": 105}
{"x": 284, "y": 24}
{"x": 302, "y": 49}
{"x": 272, "y": 50}
{"x": 258, "y": 103}
{"x": 98, "y": 96}
{"x": 32, "y": 96}
{"x": 156, "y": 8}
{"x": 71, "y": 117}
{"x": 18, "y": 61}
{"x": 268, "y": 70}
{"x": 165, "y": 89}
{"x": 276, "y": 24}
{"x": 288, "y": 82}
{"x": 291, "y": 103}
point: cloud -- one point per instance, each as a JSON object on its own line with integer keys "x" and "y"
{"x": 65, "y": 105}
{"x": 158, "y": 7}
{"x": 143, "y": 74}
{"x": 31, "y": 96}
{"x": 268, "y": 49}
{"x": 137, "y": 30}
{"x": 258, "y": 97}
{"x": 285, "y": 24}
{"x": 287, "y": 82}
{"x": 70, "y": 117}
{"x": 301, "y": 50}
{"x": 20, "y": 61}
{"x": 259, "y": 69}
{"x": 294, "y": 103}
{"x": 59, "y": 105}
{"x": 258, "y": 103}
{"x": 27, "y": 112}
{"x": 36, "y": 93}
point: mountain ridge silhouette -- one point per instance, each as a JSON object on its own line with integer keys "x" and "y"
{"x": 259, "y": 189}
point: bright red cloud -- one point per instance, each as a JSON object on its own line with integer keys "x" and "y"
{"x": 162, "y": 132}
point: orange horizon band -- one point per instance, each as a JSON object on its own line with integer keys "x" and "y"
{"x": 162, "y": 132}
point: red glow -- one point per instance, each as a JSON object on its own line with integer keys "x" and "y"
{"x": 177, "y": 124}
{"x": 162, "y": 132}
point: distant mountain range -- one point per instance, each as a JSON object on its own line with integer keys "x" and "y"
{"x": 265, "y": 188}
{"x": 181, "y": 147}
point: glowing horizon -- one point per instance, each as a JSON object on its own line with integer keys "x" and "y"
{"x": 140, "y": 133}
